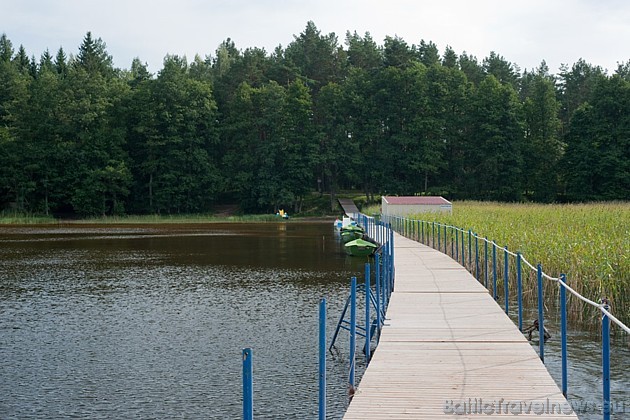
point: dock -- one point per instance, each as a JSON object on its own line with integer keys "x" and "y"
{"x": 447, "y": 350}
{"x": 348, "y": 206}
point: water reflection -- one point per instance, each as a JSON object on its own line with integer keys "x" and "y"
{"x": 149, "y": 322}
{"x": 584, "y": 355}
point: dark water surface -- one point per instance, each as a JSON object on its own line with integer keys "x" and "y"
{"x": 584, "y": 360}
{"x": 150, "y": 321}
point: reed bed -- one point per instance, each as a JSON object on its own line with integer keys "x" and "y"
{"x": 183, "y": 218}
{"x": 18, "y": 218}
{"x": 590, "y": 243}
{"x": 26, "y": 219}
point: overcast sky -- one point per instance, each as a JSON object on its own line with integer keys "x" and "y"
{"x": 524, "y": 32}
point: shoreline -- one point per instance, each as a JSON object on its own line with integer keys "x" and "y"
{"x": 156, "y": 220}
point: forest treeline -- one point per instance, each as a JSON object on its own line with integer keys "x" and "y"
{"x": 267, "y": 129}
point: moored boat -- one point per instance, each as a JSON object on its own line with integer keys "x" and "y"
{"x": 344, "y": 222}
{"x": 350, "y": 233}
{"x": 360, "y": 248}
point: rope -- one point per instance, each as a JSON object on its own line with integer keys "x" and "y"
{"x": 528, "y": 264}
{"x": 599, "y": 306}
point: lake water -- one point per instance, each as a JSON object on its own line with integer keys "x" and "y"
{"x": 149, "y": 322}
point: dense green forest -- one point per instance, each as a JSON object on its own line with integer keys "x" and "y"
{"x": 265, "y": 130}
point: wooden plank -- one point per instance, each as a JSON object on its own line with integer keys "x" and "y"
{"x": 448, "y": 349}
{"x": 348, "y": 206}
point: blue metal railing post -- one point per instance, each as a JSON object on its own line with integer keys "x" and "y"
{"x": 563, "y": 333}
{"x": 416, "y": 230}
{"x": 470, "y": 248}
{"x": 541, "y": 320}
{"x": 368, "y": 292}
{"x": 439, "y": 245}
{"x": 248, "y": 385}
{"x": 353, "y": 330}
{"x": 477, "y": 257}
{"x": 519, "y": 290}
{"x": 383, "y": 228}
{"x": 456, "y": 244}
{"x": 322, "y": 359}
{"x": 380, "y": 232}
{"x": 463, "y": 250}
{"x": 606, "y": 362}
{"x": 506, "y": 281}
{"x": 414, "y": 234}
{"x": 377, "y": 275}
{"x": 485, "y": 256}
{"x": 389, "y": 269}
{"x": 371, "y": 227}
{"x": 392, "y": 268}
{"x": 385, "y": 277}
{"x": 422, "y": 226}
{"x": 384, "y": 262}
{"x": 494, "y": 270}
{"x": 445, "y": 241}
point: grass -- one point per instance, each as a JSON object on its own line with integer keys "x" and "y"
{"x": 155, "y": 219}
{"x": 24, "y": 219}
{"x": 17, "y": 218}
{"x": 180, "y": 218}
{"x": 590, "y": 243}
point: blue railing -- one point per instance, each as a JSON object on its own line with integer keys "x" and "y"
{"x": 438, "y": 236}
{"x": 377, "y": 293}
{"x": 377, "y": 290}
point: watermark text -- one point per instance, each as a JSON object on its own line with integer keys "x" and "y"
{"x": 488, "y": 407}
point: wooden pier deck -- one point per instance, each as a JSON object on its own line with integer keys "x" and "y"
{"x": 447, "y": 350}
{"x": 348, "y": 206}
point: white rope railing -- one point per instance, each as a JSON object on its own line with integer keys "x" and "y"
{"x": 599, "y": 306}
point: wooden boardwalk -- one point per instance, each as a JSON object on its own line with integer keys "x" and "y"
{"x": 448, "y": 350}
{"x": 348, "y": 206}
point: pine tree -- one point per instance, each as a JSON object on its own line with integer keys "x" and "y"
{"x": 316, "y": 57}
{"x": 93, "y": 57}
{"x": 6, "y": 49}
{"x": 61, "y": 64}
{"x": 544, "y": 147}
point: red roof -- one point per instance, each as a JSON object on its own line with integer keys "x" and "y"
{"x": 422, "y": 201}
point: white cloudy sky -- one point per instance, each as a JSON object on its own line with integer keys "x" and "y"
{"x": 524, "y": 32}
